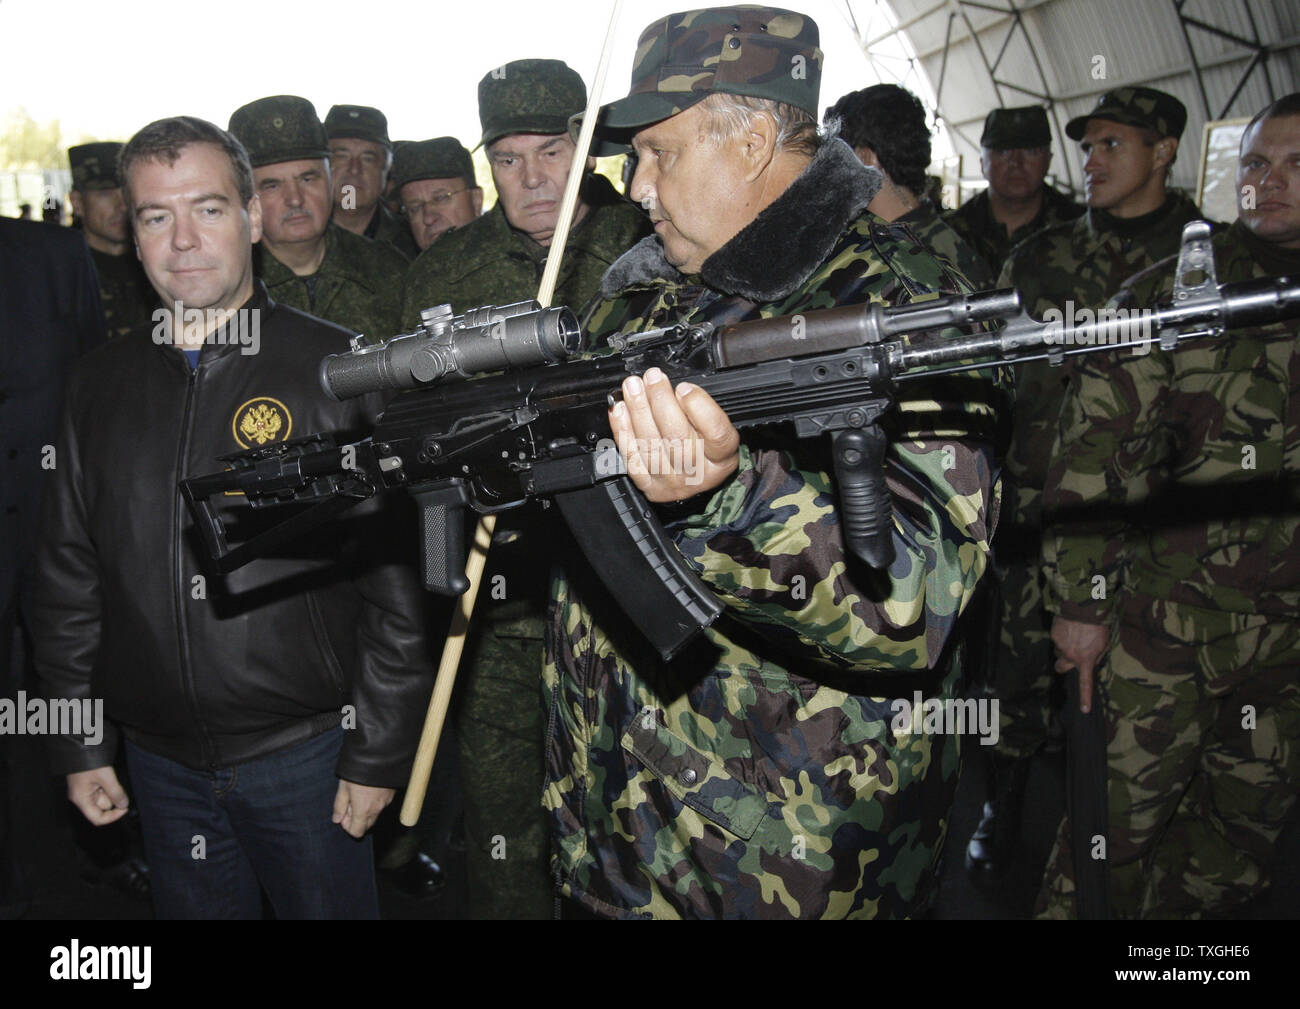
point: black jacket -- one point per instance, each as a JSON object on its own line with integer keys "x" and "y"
{"x": 208, "y": 670}
{"x": 49, "y": 316}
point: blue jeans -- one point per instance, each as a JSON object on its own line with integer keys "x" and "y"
{"x": 211, "y": 837}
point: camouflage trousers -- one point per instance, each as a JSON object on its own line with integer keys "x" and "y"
{"x": 500, "y": 728}
{"x": 1021, "y": 676}
{"x": 1202, "y": 713}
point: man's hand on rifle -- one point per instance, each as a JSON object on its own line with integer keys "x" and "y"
{"x": 1080, "y": 646}
{"x": 677, "y": 442}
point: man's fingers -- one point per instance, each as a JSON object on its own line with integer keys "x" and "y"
{"x": 1085, "y": 687}
{"x": 720, "y": 437}
{"x": 638, "y": 409}
{"x": 341, "y": 801}
{"x": 665, "y": 408}
{"x": 114, "y": 792}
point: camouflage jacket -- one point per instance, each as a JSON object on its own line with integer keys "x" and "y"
{"x": 726, "y": 784}
{"x": 1073, "y": 266}
{"x": 392, "y": 230}
{"x": 1186, "y": 465}
{"x": 357, "y": 285}
{"x": 935, "y": 232}
{"x": 975, "y": 222}
{"x": 129, "y": 299}
{"x": 487, "y": 262}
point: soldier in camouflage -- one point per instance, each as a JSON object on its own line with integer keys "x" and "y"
{"x": 129, "y": 299}
{"x": 885, "y": 126}
{"x": 524, "y": 109}
{"x": 728, "y": 784}
{"x": 1129, "y": 141}
{"x": 1015, "y": 152}
{"x": 361, "y": 156}
{"x": 436, "y": 188}
{"x": 305, "y": 260}
{"x": 1188, "y": 612}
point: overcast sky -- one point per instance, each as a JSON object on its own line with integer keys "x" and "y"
{"x": 106, "y": 68}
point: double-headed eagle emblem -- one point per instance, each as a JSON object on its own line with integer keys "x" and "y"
{"x": 260, "y": 421}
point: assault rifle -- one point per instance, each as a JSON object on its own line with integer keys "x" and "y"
{"x": 494, "y": 413}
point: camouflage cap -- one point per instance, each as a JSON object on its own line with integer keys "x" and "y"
{"x": 1135, "y": 107}
{"x": 94, "y": 166}
{"x": 283, "y": 128}
{"x": 444, "y": 158}
{"x": 357, "y": 121}
{"x": 761, "y": 52}
{"x": 529, "y": 96}
{"x": 1021, "y": 127}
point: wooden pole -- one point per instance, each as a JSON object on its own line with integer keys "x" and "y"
{"x": 456, "y": 633}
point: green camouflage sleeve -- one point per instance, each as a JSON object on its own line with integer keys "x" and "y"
{"x": 1108, "y": 460}
{"x": 769, "y": 540}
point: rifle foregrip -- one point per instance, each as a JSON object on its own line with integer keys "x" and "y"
{"x": 866, "y": 509}
{"x": 442, "y": 539}
{"x": 653, "y": 584}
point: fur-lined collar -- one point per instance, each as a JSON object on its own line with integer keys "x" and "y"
{"x": 778, "y": 250}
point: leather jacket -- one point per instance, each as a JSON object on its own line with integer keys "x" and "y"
{"x": 204, "y": 669}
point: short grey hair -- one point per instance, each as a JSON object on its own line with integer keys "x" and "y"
{"x": 728, "y": 116}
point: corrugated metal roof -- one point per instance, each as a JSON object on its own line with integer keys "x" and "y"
{"x": 1064, "y": 53}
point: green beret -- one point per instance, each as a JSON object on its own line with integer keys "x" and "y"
{"x": 444, "y": 158}
{"x": 1146, "y": 107}
{"x": 1021, "y": 127}
{"x": 357, "y": 121}
{"x": 283, "y": 128}
{"x": 94, "y": 166}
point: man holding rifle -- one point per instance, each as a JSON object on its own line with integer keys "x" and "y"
{"x": 760, "y": 773}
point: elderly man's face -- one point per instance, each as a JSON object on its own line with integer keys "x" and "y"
{"x": 296, "y": 200}
{"x": 695, "y": 190}
{"x": 193, "y": 234}
{"x": 435, "y": 206}
{"x": 530, "y": 171}
{"x": 1270, "y": 165}
{"x": 361, "y": 165}
{"x": 1015, "y": 173}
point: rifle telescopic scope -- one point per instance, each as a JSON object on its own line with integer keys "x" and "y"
{"x": 479, "y": 342}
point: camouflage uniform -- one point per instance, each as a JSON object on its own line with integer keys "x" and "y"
{"x": 487, "y": 262}
{"x": 363, "y": 122}
{"x": 388, "y": 229}
{"x": 726, "y": 784}
{"x": 499, "y": 719}
{"x": 1194, "y": 458}
{"x": 357, "y": 284}
{"x": 975, "y": 222}
{"x": 1085, "y": 262}
{"x": 935, "y": 232}
{"x": 128, "y": 298}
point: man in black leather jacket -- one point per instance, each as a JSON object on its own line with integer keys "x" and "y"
{"x": 256, "y": 707}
